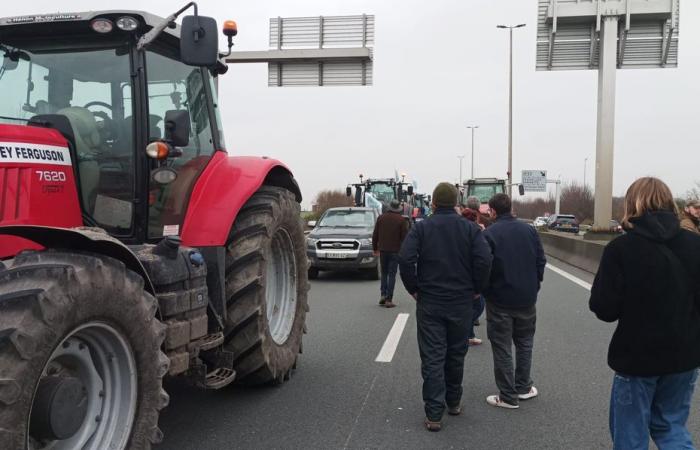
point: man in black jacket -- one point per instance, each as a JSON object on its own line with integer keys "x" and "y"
{"x": 444, "y": 264}
{"x": 516, "y": 276}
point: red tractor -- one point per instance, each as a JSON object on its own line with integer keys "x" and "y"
{"x": 132, "y": 246}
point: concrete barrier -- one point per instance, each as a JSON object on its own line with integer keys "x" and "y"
{"x": 573, "y": 250}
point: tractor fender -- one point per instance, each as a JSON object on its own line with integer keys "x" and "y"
{"x": 222, "y": 189}
{"x": 91, "y": 240}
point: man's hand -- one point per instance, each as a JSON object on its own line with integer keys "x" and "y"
{"x": 476, "y": 296}
{"x": 415, "y": 296}
{"x": 376, "y": 253}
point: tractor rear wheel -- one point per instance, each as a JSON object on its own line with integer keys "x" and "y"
{"x": 266, "y": 287}
{"x": 80, "y": 359}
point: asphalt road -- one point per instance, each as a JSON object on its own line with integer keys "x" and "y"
{"x": 340, "y": 398}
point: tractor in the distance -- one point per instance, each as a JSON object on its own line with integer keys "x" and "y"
{"x": 379, "y": 192}
{"x": 483, "y": 189}
{"x": 132, "y": 246}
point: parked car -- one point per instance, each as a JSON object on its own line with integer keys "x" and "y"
{"x": 342, "y": 241}
{"x": 539, "y": 222}
{"x": 563, "y": 222}
{"x": 616, "y": 227}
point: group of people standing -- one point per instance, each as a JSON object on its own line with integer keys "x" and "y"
{"x": 449, "y": 265}
{"x": 648, "y": 282}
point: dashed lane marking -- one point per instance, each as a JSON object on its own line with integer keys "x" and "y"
{"x": 386, "y": 354}
{"x": 570, "y": 277}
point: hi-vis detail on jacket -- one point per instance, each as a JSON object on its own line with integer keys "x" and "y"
{"x": 19, "y": 152}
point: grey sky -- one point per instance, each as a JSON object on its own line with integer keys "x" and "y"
{"x": 440, "y": 65}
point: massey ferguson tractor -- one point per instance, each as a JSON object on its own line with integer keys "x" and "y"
{"x": 132, "y": 246}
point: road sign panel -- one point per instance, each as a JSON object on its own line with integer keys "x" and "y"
{"x": 534, "y": 180}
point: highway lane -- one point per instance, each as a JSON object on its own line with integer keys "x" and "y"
{"x": 341, "y": 398}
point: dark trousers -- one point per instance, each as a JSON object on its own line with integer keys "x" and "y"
{"x": 390, "y": 264}
{"x": 443, "y": 330}
{"x": 479, "y": 305}
{"x": 506, "y": 327}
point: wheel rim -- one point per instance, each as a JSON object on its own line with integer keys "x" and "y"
{"x": 100, "y": 357}
{"x": 281, "y": 287}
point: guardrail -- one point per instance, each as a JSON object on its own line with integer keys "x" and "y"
{"x": 573, "y": 250}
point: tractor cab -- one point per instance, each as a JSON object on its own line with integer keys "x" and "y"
{"x": 381, "y": 192}
{"x": 483, "y": 189}
{"x": 140, "y": 123}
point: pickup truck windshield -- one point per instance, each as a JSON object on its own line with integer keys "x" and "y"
{"x": 360, "y": 219}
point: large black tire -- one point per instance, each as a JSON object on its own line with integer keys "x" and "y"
{"x": 46, "y": 296}
{"x": 258, "y": 359}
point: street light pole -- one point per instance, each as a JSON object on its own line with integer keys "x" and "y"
{"x": 460, "y": 169}
{"x": 510, "y": 108}
{"x": 473, "y": 127}
{"x": 585, "y": 166}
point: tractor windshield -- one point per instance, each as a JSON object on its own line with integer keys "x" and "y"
{"x": 382, "y": 192}
{"x": 87, "y": 86}
{"x": 484, "y": 192}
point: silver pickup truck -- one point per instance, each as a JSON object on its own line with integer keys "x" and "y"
{"x": 341, "y": 240}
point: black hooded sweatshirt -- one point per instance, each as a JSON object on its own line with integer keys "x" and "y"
{"x": 649, "y": 282}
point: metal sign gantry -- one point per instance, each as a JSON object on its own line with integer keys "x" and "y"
{"x": 317, "y": 51}
{"x": 607, "y": 35}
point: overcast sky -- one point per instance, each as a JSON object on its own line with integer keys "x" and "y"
{"x": 440, "y": 65}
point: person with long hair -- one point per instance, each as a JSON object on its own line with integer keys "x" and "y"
{"x": 649, "y": 282}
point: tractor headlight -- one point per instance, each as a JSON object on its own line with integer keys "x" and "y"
{"x": 127, "y": 23}
{"x": 102, "y": 25}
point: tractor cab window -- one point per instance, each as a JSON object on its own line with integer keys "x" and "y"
{"x": 174, "y": 86}
{"x": 382, "y": 192}
{"x": 86, "y": 86}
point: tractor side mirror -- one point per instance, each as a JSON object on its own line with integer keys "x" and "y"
{"x": 358, "y": 196}
{"x": 177, "y": 127}
{"x": 199, "y": 41}
{"x": 410, "y": 190}
{"x": 521, "y": 189}
{"x": 348, "y": 191}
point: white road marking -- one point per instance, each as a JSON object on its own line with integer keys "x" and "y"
{"x": 386, "y": 354}
{"x": 570, "y": 277}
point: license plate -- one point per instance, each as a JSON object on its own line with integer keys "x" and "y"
{"x": 566, "y": 226}
{"x": 331, "y": 255}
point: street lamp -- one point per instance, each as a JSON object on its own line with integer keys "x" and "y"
{"x": 473, "y": 127}
{"x": 460, "y": 169}
{"x": 510, "y": 108}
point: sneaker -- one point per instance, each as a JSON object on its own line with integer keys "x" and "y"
{"x": 495, "y": 400}
{"x": 433, "y": 426}
{"x": 531, "y": 394}
{"x": 389, "y": 304}
{"x": 382, "y": 300}
{"x": 454, "y": 410}
{"x": 474, "y": 341}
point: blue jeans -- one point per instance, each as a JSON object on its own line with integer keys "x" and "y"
{"x": 479, "y": 305}
{"x": 390, "y": 263}
{"x": 656, "y": 406}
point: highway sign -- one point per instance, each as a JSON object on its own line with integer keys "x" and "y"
{"x": 534, "y": 180}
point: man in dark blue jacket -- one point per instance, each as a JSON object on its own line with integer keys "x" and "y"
{"x": 444, "y": 263}
{"x": 516, "y": 275}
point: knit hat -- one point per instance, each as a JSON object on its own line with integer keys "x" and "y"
{"x": 693, "y": 202}
{"x": 445, "y": 195}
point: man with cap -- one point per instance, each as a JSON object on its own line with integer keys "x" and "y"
{"x": 389, "y": 232}
{"x": 444, "y": 262}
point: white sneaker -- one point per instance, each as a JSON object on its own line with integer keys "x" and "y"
{"x": 532, "y": 394}
{"x": 495, "y": 400}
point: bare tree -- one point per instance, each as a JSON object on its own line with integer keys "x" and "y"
{"x": 330, "y": 199}
{"x": 694, "y": 193}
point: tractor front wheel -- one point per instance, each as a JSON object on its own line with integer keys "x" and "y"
{"x": 80, "y": 359}
{"x": 266, "y": 287}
